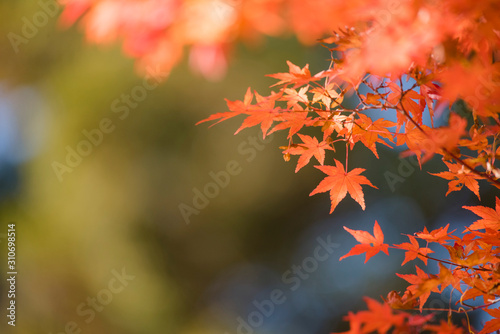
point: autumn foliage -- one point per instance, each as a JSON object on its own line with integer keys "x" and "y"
{"x": 412, "y": 60}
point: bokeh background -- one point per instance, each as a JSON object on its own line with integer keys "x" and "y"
{"x": 118, "y": 210}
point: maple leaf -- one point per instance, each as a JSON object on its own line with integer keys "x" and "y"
{"x": 371, "y": 132}
{"x": 414, "y": 250}
{"x": 491, "y": 218}
{"x": 396, "y": 301}
{"x": 340, "y": 123}
{"x": 446, "y": 277}
{"x": 354, "y": 324}
{"x": 447, "y": 137}
{"x": 440, "y": 235}
{"x": 263, "y": 112}
{"x": 370, "y": 244}
{"x": 494, "y": 324}
{"x": 404, "y": 100}
{"x": 460, "y": 176}
{"x": 339, "y": 183}
{"x": 462, "y": 256}
{"x": 419, "y": 280}
{"x": 310, "y": 147}
{"x": 327, "y": 95}
{"x": 430, "y": 141}
{"x": 379, "y": 317}
{"x": 444, "y": 328}
{"x": 460, "y": 80}
{"x": 293, "y": 120}
{"x": 293, "y": 97}
{"x": 490, "y": 237}
{"x": 416, "y": 140}
{"x": 371, "y": 99}
{"x": 264, "y": 115}
{"x": 237, "y": 108}
{"x": 423, "y": 284}
{"x": 419, "y": 320}
{"x": 296, "y": 75}
{"x": 430, "y": 92}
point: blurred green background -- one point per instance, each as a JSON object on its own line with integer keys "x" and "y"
{"x": 117, "y": 211}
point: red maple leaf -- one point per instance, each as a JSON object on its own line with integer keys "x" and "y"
{"x": 440, "y": 235}
{"x": 419, "y": 280}
{"x": 339, "y": 183}
{"x": 354, "y": 324}
{"x": 370, "y": 244}
{"x": 491, "y": 218}
{"x": 459, "y": 177}
{"x": 494, "y": 324}
{"x": 310, "y": 147}
{"x": 444, "y": 328}
{"x": 379, "y": 317}
{"x": 413, "y": 250}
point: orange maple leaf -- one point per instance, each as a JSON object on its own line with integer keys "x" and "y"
{"x": 294, "y": 121}
{"x": 293, "y": 98}
{"x": 339, "y": 183}
{"x": 444, "y": 328}
{"x": 379, "y": 317}
{"x": 354, "y": 324}
{"x": 429, "y": 141}
{"x": 491, "y": 218}
{"x": 414, "y": 250}
{"x": 440, "y": 235}
{"x": 296, "y": 75}
{"x": 459, "y": 176}
{"x": 310, "y": 147}
{"x": 447, "y": 137}
{"x": 419, "y": 280}
{"x": 371, "y": 132}
{"x": 370, "y": 244}
{"x": 327, "y": 95}
{"x": 398, "y": 302}
{"x": 263, "y": 112}
{"x": 494, "y": 324}
{"x": 237, "y": 108}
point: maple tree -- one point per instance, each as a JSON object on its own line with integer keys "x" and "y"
{"x": 411, "y": 60}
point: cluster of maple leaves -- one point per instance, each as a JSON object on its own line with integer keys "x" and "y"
{"x": 312, "y": 103}
{"x": 411, "y": 59}
{"x": 468, "y": 149}
{"x": 473, "y": 270}
{"x": 304, "y": 101}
